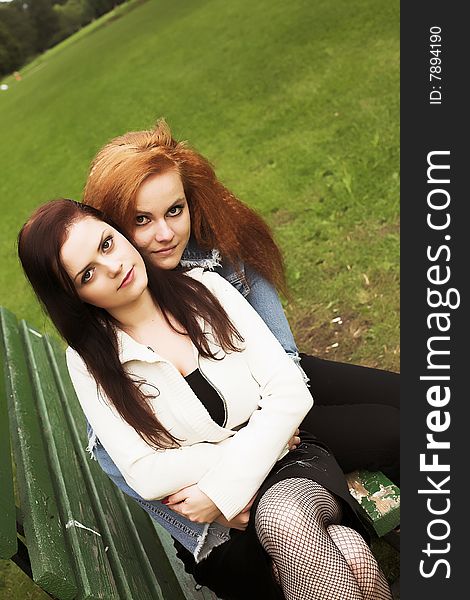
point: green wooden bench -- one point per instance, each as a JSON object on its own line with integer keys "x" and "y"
{"x": 71, "y": 530}
{"x": 63, "y": 521}
{"x": 379, "y": 500}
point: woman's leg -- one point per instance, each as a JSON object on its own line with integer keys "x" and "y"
{"x": 333, "y": 383}
{"x": 363, "y": 436}
{"x": 366, "y": 571}
{"x": 356, "y": 413}
{"x": 292, "y": 522}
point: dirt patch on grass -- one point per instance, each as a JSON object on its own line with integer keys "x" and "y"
{"x": 364, "y": 234}
{"x": 337, "y": 338}
{"x": 345, "y": 337}
{"x": 281, "y": 217}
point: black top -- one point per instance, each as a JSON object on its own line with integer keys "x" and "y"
{"x": 211, "y": 400}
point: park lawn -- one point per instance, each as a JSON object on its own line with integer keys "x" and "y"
{"x": 295, "y": 103}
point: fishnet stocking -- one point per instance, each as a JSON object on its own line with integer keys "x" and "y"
{"x": 315, "y": 558}
{"x": 361, "y": 561}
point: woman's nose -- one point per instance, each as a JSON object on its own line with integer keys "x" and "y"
{"x": 114, "y": 268}
{"x": 162, "y": 232}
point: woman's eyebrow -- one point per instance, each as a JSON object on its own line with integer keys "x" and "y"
{"x": 147, "y": 213}
{"x": 98, "y": 249}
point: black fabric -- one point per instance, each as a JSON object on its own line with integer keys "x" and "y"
{"x": 209, "y": 397}
{"x": 312, "y": 459}
{"x": 240, "y": 569}
{"x": 356, "y": 413}
{"x": 237, "y": 570}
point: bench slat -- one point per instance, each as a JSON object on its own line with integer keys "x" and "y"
{"x": 158, "y": 556}
{"x": 157, "y": 546}
{"x": 127, "y": 553}
{"x": 185, "y": 580}
{"x": 82, "y": 531}
{"x": 51, "y": 566}
{"x": 8, "y": 541}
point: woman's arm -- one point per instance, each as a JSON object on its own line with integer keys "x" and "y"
{"x": 193, "y": 504}
{"x": 264, "y": 298}
{"x": 284, "y": 401}
{"x": 153, "y": 474}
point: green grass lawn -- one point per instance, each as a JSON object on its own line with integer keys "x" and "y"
{"x": 295, "y": 103}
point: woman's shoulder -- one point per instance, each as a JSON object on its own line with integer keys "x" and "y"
{"x": 209, "y": 278}
{"x": 74, "y": 360}
{"x": 70, "y": 353}
{"x": 225, "y": 293}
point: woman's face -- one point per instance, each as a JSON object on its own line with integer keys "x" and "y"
{"x": 162, "y": 222}
{"x": 106, "y": 269}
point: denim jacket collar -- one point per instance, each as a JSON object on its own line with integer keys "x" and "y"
{"x": 193, "y": 256}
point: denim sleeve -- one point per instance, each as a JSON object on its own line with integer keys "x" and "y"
{"x": 264, "y": 298}
{"x": 198, "y": 538}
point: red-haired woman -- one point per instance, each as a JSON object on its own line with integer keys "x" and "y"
{"x": 167, "y": 197}
{"x": 193, "y": 398}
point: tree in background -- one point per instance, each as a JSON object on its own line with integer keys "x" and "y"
{"x": 100, "y": 7}
{"x": 9, "y": 50}
{"x": 16, "y": 19}
{"x": 72, "y": 15}
{"x": 46, "y": 22}
{"x": 28, "y": 27}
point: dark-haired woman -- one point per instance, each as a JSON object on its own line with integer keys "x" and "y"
{"x": 147, "y": 349}
{"x": 166, "y": 196}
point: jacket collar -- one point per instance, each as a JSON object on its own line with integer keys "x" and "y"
{"x": 129, "y": 349}
{"x": 194, "y": 256}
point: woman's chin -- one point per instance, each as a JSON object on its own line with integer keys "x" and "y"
{"x": 166, "y": 262}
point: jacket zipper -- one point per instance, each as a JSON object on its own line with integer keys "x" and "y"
{"x": 210, "y": 383}
{"x": 216, "y": 389}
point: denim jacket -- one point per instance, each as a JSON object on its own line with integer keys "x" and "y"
{"x": 261, "y": 294}
{"x": 198, "y": 538}
{"x": 201, "y": 538}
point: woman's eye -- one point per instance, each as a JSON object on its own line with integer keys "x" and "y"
{"x": 108, "y": 242}
{"x": 175, "y": 210}
{"x": 141, "y": 220}
{"x": 87, "y": 275}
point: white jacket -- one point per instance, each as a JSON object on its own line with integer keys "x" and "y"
{"x": 260, "y": 384}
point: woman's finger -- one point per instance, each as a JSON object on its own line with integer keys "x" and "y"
{"x": 294, "y": 442}
{"x": 175, "y": 498}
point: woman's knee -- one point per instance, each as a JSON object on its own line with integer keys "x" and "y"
{"x": 290, "y": 506}
{"x": 354, "y": 549}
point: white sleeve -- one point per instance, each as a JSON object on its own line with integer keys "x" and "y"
{"x": 153, "y": 474}
{"x": 284, "y": 402}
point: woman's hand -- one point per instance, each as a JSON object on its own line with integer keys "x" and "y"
{"x": 294, "y": 441}
{"x": 193, "y": 504}
{"x": 241, "y": 520}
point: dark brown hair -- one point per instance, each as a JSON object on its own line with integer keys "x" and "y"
{"x": 218, "y": 219}
{"x": 91, "y": 331}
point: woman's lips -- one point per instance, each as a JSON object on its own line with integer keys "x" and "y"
{"x": 127, "y": 279}
{"x": 165, "y": 251}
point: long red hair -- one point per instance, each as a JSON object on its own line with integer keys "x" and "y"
{"x": 218, "y": 219}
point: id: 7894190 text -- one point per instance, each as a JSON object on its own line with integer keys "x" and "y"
{"x": 435, "y": 68}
